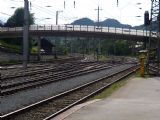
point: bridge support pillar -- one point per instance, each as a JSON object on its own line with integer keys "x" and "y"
{"x": 39, "y": 48}
{"x": 133, "y": 48}
{"x": 88, "y": 45}
{"x": 83, "y": 47}
{"x": 158, "y": 56}
{"x": 144, "y": 45}
{"x": 94, "y": 47}
{"x": 65, "y": 39}
{"x": 99, "y": 49}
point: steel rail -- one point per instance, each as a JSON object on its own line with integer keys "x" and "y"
{"x": 90, "y": 95}
{"x": 36, "y": 71}
{"x": 39, "y": 67}
{"x": 64, "y": 72}
{"x": 31, "y": 71}
{"x": 39, "y": 82}
{"x": 54, "y": 72}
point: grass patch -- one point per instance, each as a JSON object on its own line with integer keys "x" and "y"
{"x": 10, "y": 62}
{"x": 103, "y": 58}
{"x": 16, "y": 48}
{"x": 108, "y": 91}
{"x": 139, "y": 75}
{"x": 34, "y": 49}
{"x": 12, "y": 47}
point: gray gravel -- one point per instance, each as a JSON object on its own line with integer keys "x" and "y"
{"x": 24, "y": 98}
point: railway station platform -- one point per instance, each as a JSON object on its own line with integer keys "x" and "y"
{"x": 139, "y": 99}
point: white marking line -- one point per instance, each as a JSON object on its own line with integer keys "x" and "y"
{"x": 73, "y": 109}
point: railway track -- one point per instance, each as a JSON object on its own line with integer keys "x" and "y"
{"x": 50, "y": 107}
{"x": 6, "y": 66}
{"x": 47, "y": 72}
{"x": 17, "y": 69}
{"x": 35, "y": 70}
{"x": 38, "y": 69}
{"x": 12, "y": 87}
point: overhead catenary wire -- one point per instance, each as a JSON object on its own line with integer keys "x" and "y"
{"x": 5, "y": 14}
{"x": 48, "y": 9}
{"x": 71, "y": 11}
{"x": 31, "y": 6}
{"x": 49, "y": 12}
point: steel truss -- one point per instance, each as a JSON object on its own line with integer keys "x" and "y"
{"x": 153, "y": 59}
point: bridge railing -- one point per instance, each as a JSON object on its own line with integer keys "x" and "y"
{"x": 81, "y": 28}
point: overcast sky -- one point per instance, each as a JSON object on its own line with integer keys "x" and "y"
{"x": 126, "y": 12}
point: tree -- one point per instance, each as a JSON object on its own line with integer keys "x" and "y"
{"x": 122, "y": 48}
{"x": 17, "y": 19}
{"x": 1, "y": 24}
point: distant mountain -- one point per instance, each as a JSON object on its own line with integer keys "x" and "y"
{"x": 105, "y": 23}
{"x": 141, "y": 27}
{"x": 83, "y": 21}
{"x": 114, "y": 23}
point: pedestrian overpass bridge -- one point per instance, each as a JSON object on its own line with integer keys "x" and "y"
{"x": 79, "y": 31}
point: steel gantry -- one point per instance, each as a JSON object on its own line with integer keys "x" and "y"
{"x": 153, "y": 59}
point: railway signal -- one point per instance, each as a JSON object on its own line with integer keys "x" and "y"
{"x": 146, "y": 18}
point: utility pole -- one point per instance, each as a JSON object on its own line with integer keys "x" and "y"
{"x": 98, "y": 16}
{"x": 25, "y": 34}
{"x": 57, "y": 13}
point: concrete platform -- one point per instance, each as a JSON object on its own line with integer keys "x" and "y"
{"x": 139, "y": 99}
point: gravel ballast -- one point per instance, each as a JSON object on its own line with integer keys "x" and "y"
{"x": 30, "y": 96}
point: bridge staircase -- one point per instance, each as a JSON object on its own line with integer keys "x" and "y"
{"x": 47, "y": 46}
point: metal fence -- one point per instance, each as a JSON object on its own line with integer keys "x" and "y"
{"x": 126, "y": 31}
